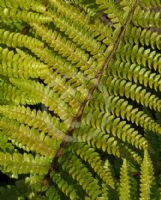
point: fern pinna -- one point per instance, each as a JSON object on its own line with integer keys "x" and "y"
{"x": 80, "y": 102}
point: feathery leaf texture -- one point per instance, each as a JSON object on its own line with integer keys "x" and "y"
{"x": 80, "y": 99}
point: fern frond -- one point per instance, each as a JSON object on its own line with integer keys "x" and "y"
{"x": 61, "y": 44}
{"x": 138, "y": 55}
{"x": 56, "y": 62}
{"x": 114, "y": 126}
{"x": 24, "y": 5}
{"x": 133, "y": 72}
{"x": 5, "y": 144}
{"x": 105, "y": 192}
{"x": 145, "y": 18}
{"x": 150, "y": 3}
{"x": 78, "y": 34}
{"x": 10, "y": 94}
{"x": 89, "y": 7}
{"x": 14, "y": 39}
{"x": 112, "y": 10}
{"x": 100, "y": 140}
{"x": 133, "y": 91}
{"x": 67, "y": 91}
{"x": 11, "y": 14}
{"x": 122, "y": 108}
{"x": 145, "y": 37}
{"x": 131, "y": 155}
{"x": 63, "y": 185}
{"x": 146, "y": 178}
{"x": 80, "y": 84}
{"x": 45, "y": 95}
{"x": 103, "y": 169}
{"x": 96, "y": 29}
{"x": 52, "y": 193}
{"x": 68, "y": 50}
{"x": 37, "y": 182}
{"x": 125, "y": 185}
{"x": 17, "y": 163}
{"x": 24, "y": 66}
{"x": 37, "y": 119}
{"x": 18, "y": 191}
{"x": 80, "y": 173}
{"x": 31, "y": 139}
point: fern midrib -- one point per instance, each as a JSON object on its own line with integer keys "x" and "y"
{"x": 98, "y": 77}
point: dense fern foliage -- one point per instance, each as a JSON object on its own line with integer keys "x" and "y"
{"x": 80, "y": 101}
